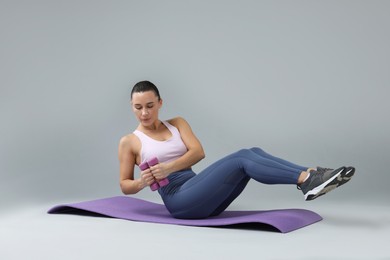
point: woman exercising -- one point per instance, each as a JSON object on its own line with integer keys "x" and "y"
{"x": 210, "y": 192}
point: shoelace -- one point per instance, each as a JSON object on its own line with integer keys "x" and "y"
{"x": 321, "y": 170}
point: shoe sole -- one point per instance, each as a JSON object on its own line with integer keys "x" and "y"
{"x": 347, "y": 175}
{"x": 327, "y": 186}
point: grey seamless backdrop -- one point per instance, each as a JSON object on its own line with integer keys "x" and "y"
{"x": 305, "y": 80}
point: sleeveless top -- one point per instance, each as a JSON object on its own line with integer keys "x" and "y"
{"x": 165, "y": 151}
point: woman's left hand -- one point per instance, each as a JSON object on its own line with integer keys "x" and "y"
{"x": 159, "y": 171}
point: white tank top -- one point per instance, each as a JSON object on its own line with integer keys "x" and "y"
{"x": 165, "y": 151}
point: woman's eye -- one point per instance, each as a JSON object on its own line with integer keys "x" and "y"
{"x": 150, "y": 106}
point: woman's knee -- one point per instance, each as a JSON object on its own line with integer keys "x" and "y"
{"x": 257, "y": 149}
{"x": 247, "y": 152}
{"x": 243, "y": 151}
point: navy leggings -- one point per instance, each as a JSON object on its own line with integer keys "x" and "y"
{"x": 191, "y": 196}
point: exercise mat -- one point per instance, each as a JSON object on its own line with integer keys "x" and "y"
{"x": 129, "y": 208}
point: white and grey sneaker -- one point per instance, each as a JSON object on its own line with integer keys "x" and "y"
{"x": 321, "y": 181}
{"x": 345, "y": 175}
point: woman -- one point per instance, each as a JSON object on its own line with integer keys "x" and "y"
{"x": 190, "y": 195}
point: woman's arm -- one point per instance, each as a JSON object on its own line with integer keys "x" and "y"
{"x": 127, "y": 161}
{"x": 194, "y": 154}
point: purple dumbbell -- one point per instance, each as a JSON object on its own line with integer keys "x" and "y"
{"x": 162, "y": 182}
{"x": 154, "y": 186}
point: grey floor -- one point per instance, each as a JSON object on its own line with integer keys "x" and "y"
{"x": 351, "y": 229}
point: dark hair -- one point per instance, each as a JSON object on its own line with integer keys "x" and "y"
{"x": 144, "y": 86}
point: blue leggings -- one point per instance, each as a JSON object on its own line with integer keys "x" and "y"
{"x": 191, "y": 196}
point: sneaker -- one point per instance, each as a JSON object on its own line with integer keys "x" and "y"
{"x": 345, "y": 175}
{"x": 321, "y": 182}
{"x": 349, "y": 172}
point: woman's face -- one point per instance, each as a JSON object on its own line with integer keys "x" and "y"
{"x": 145, "y": 107}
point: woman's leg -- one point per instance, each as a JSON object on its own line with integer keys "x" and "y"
{"x": 212, "y": 190}
{"x": 262, "y": 153}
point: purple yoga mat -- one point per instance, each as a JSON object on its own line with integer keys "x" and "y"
{"x": 122, "y": 207}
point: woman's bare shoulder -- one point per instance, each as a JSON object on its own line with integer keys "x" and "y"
{"x": 129, "y": 141}
{"x": 177, "y": 121}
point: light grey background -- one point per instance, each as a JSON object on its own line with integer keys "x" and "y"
{"x": 305, "y": 80}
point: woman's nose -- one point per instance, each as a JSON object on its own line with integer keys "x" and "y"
{"x": 145, "y": 111}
